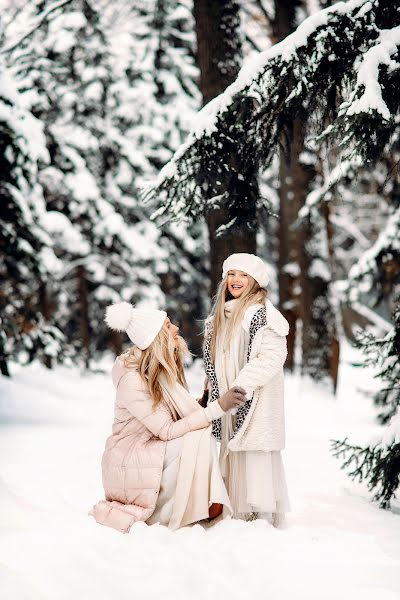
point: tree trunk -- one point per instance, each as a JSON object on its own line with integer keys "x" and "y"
{"x": 303, "y": 294}
{"x": 334, "y": 339}
{"x": 45, "y": 309}
{"x": 320, "y": 344}
{"x": 4, "y": 367}
{"x": 292, "y": 192}
{"x": 83, "y": 314}
{"x": 219, "y": 56}
{"x": 295, "y": 180}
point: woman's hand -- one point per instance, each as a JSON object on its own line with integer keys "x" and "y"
{"x": 233, "y": 398}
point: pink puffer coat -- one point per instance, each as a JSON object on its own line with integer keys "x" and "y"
{"x": 133, "y": 458}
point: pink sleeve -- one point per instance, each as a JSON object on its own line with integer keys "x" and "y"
{"x": 132, "y": 394}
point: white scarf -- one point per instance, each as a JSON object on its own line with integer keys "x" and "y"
{"x": 229, "y": 361}
{"x": 230, "y": 358}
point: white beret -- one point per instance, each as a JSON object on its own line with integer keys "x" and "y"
{"x": 248, "y": 263}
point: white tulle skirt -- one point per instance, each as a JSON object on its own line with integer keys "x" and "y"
{"x": 256, "y": 483}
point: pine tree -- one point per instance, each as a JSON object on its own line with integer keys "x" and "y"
{"x": 159, "y": 97}
{"x": 321, "y": 68}
{"x": 378, "y": 463}
{"x": 110, "y": 89}
{"x": 64, "y": 71}
{"x": 28, "y": 260}
{"x": 332, "y": 72}
{"x": 219, "y": 55}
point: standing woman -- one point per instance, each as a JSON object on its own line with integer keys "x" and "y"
{"x": 245, "y": 345}
{"x": 160, "y": 462}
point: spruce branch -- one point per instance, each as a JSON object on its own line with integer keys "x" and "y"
{"x": 42, "y": 18}
{"x": 318, "y": 69}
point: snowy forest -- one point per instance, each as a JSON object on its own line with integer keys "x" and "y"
{"x": 142, "y": 142}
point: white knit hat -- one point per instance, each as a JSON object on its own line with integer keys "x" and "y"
{"x": 248, "y": 263}
{"x": 141, "y": 324}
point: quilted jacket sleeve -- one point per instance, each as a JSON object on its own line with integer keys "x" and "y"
{"x": 133, "y": 395}
{"x": 265, "y": 365}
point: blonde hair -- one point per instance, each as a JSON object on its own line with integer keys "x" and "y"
{"x": 161, "y": 357}
{"x": 253, "y": 294}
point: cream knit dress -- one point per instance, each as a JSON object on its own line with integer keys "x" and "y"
{"x": 255, "y": 480}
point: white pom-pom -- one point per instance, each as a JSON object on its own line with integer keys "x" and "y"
{"x": 118, "y": 316}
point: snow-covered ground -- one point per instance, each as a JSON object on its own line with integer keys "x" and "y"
{"x": 338, "y": 544}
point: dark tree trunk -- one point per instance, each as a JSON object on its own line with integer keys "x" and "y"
{"x": 4, "y": 367}
{"x": 320, "y": 344}
{"x": 301, "y": 295}
{"x": 116, "y": 342}
{"x": 219, "y": 55}
{"x": 45, "y": 309}
{"x": 334, "y": 345}
{"x": 294, "y": 182}
{"x": 295, "y": 179}
{"x": 83, "y": 314}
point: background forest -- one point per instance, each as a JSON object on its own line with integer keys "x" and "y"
{"x": 97, "y": 97}
{"x": 143, "y": 141}
{"x": 298, "y": 160}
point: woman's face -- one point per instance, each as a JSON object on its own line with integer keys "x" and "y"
{"x": 173, "y": 331}
{"x": 237, "y": 282}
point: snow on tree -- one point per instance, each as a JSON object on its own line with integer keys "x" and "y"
{"x": 109, "y": 94}
{"x": 340, "y": 62}
{"x": 378, "y": 462}
{"x": 28, "y": 260}
{"x": 338, "y": 70}
{"x": 66, "y": 71}
{"x": 158, "y": 98}
{"x": 377, "y": 273}
{"x": 219, "y": 56}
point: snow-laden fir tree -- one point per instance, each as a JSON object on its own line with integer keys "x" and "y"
{"x": 158, "y": 98}
{"x": 328, "y": 71}
{"x": 378, "y": 463}
{"x": 65, "y": 67}
{"x": 27, "y": 258}
{"x": 90, "y": 79}
{"x": 340, "y": 61}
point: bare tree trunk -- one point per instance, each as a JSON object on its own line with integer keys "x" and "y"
{"x": 292, "y": 191}
{"x": 84, "y": 314}
{"x": 4, "y": 367}
{"x": 303, "y": 294}
{"x": 45, "y": 309}
{"x": 320, "y": 344}
{"x": 295, "y": 180}
{"x": 219, "y": 55}
{"x": 334, "y": 338}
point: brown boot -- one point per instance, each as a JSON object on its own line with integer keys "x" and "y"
{"x": 214, "y": 511}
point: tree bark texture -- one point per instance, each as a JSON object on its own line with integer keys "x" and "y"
{"x": 294, "y": 186}
{"x": 83, "y": 304}
{"x": 292, "y": 192}
{"x": 219, "y": 55}
{"x": 302, "y": 296}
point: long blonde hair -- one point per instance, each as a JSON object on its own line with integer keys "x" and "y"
{"x": 161, "y": 357}
{"x": 253, "y": 294}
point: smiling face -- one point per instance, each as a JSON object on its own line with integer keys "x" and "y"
{"x": 173, "y": 331}
{"x": 237, "y": 282}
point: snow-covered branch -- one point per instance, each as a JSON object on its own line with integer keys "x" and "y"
{"x": 348, "y": 50}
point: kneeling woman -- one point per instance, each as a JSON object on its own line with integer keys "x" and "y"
{"x": 160, "y": 463}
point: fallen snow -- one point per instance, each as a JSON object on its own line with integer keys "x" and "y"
{"x": 338, "y": 543}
